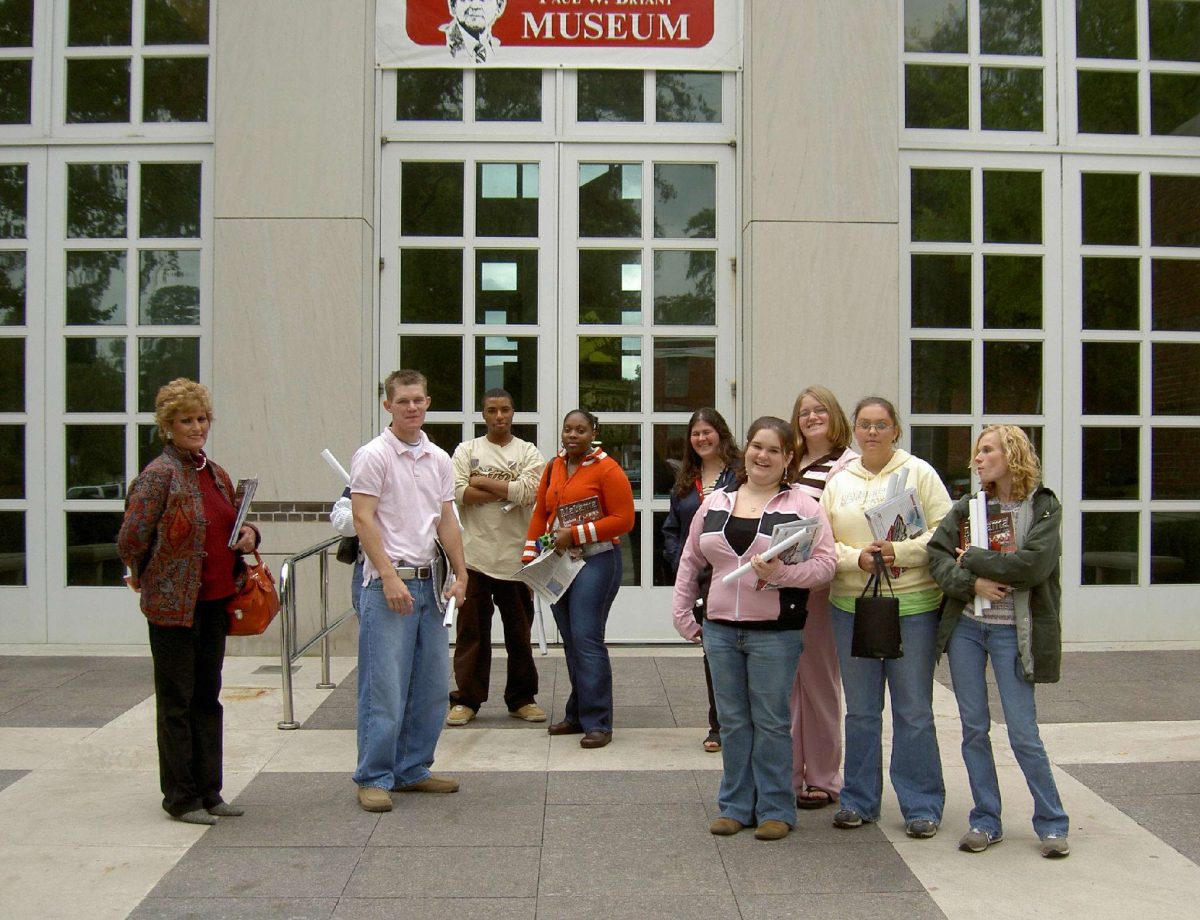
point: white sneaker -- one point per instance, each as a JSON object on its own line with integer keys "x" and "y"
{"x": 460, "y": 715}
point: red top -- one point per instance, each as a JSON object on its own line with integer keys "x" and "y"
{"x": 597, "y": 476}
{"x": 216, "y": 572}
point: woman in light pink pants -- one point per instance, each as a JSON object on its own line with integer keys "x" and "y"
{"x": 822, "y": 449}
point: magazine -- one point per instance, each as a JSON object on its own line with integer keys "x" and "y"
{"x": 242, "y": 497}
{"x": 897, "y": 518}
{"x": 1001, "y": 531}
{"x": 801, "y": 550}
{"x": 583, "y": 511}
{"x": 550, "y": 574}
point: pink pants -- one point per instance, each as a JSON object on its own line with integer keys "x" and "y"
{"x": 817, "y": 704}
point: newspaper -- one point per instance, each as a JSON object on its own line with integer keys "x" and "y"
{"x": 897, "y": 518}
{"x": 550, "y": 574}
{"x": 242, "y": 497}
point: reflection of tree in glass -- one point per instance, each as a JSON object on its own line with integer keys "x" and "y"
{"x": 12, "y": 201}
{"x": 702, "y": 223}
{"x": 1010, "y": 26}
{"x": 170, "y": 200}
{"x": 15, "y": 89}
{"x": 935, "y": 97}
{"x": 12, "y": 288}
{"x": 602, "y": 209}
{"x": 688, "y": 97}
{"x": 1175, "y": 31}
{"x": 610, "y": 95}
{"x": 16, "y": 24}
{"x": 1012, "y": 99}
{"x": 12, "y": 375}
{"x": 96, "y": 457}
{"x": 176, "y": 89}
{"x": 508, "y": 95}
{"x": 161, "y": 360}
{"x": 12, "y": 461}
{"x": 1106, "y": 28}
{"x": 604, "y": 384}
{"x": 176, "y": 22}
{"x": 96, "y": 194}
{"x": 96, "y": 375}
{"x": 169, "y": 303}
{"x": 429, "y": 95}
{"x": 950, "y": 35}
{"x": 90, "y": 276}
{"x": 696, "y": 302}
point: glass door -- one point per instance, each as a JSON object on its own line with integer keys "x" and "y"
{"x": 646, "y": 328}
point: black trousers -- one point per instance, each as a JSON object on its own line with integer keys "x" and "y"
{"x": 187, "y": 687}
{"x": 473, "y": 642}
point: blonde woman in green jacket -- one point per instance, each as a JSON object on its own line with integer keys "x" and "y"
{"x": 1020, "y": 632}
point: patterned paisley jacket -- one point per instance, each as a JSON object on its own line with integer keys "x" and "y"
{"x": 162, "y": 536}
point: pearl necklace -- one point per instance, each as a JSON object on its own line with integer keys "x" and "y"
{"x": 203, "y": 461}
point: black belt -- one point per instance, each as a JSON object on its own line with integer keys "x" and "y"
{"x": 419, "y": 572}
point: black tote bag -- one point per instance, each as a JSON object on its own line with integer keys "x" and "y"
{"x": 877, "y": 618}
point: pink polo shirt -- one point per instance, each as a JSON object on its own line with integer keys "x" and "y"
{"x": 411, "y": 486}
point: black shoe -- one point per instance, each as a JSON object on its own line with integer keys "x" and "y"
{"x": 921, "y": 828}
{"x": 847, "y": 819}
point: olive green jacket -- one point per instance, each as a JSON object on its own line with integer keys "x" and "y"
{"x": 1032, "y": 571}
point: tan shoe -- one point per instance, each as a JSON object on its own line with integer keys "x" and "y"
{"x": 772, "y": 830}
{"x": 460, "y": 715}
{"x": 372, "y": 798}
{"x": 432, "y": 783}
{"x": 530, "y": 712}
{"x": 725, "y": 827}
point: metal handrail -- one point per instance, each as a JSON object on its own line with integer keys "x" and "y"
{"x": 289, "y": 649}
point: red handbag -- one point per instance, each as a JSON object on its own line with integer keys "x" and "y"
{"x": 253, "y": 608}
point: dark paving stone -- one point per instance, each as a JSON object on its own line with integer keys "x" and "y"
{"x": 597, "y": 849}
{"x": 1164, "y": 798}
{"x": 10, "y": 699}
{"x": 260, "y": 872}
{"x": 66, "y": 692}
{"x": 793, "y": 866}
{"x": 234, "y": 909}
{"x": 691, "y": 715}
{"x": 446, "y": 872}
{"x": 339, "y": 823}
{"x": 60, "y": 708}
{"x": 332, "y": 718}
{"x": 8, "y": 777}
{"x": 117, "y": 673}
{"x": 490, "y": 809}
{"x": 298, "y": 789}
{"x": 640, "y": 905}
{"x": 846, "y": 905}
{"x": 436, "y": 909}
{"x": 644, "y": 695}
{"x": 643, "y": 717}
{"x": 37, "y": 672}
{"x": 627, "y": 787}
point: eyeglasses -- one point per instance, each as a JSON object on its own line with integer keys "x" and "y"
{"x": 881, "y": 427}
{"x": 805, "y": 413}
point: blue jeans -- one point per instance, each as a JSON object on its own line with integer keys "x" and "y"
{"x": 356, "y": 588}
{"x": 403, "y": 673}
{"x": 971, "y": 644}
{"x": 916, "y": 766}
{"x": 581, "y": 615}
{"x": 752, "y": 674}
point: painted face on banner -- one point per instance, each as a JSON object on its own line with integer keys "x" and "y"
{"x": 476, "y": 16}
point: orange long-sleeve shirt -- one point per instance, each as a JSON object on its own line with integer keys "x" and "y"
{"x": 598, "y": 476}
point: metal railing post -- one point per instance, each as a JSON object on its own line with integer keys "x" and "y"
{"x": 323, "y": 568}
{"x": 286, "y": 625}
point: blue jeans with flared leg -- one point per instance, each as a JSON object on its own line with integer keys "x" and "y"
{"x": 971, "y": 645}
{"x": 916, "y": 766}
{"x": 581, "y": 615}
{"x": 752, "y": 674}
{"x": 403, "y": 673}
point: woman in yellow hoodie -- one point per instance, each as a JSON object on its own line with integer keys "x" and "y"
{"x": 916, "y": 769}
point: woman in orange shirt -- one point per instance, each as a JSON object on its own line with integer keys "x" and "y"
{"x": 584, "y": 505}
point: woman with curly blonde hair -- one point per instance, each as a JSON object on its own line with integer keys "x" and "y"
{"x": 1020, "y": 632}
{"x": 179, "y": 516}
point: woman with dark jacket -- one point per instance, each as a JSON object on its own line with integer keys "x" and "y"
{"x": 708, "y": 463}
{"x": 179, "y": 515}
{"x": 1019, "y": 630}
{"x": 752, "y": 626}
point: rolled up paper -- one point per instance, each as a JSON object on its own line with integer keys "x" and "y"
{"x": 335, "y": 466}
{"x": 448, "y": 619}
{"x": 767, "y": 556}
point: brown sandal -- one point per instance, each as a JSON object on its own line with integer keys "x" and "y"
{"x": 712, "y": 744}
{"x": 812, "y": 797}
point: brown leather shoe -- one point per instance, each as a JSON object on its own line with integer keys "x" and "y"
{"x": 432, "y": 783}
{"x": 726, "y": 827}
{"x": 772, "y": 830}
{"x": 595, "y": 739}
{"x": 565, "y": 727}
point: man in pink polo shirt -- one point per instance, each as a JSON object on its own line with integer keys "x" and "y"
{"x": 402, "y": 494}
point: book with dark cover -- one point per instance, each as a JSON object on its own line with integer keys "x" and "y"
{"x": 1001, "y": 528}
{"x": 583, "y": 511}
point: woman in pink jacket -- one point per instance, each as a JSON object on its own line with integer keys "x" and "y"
{"x": 752, "y": 627}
